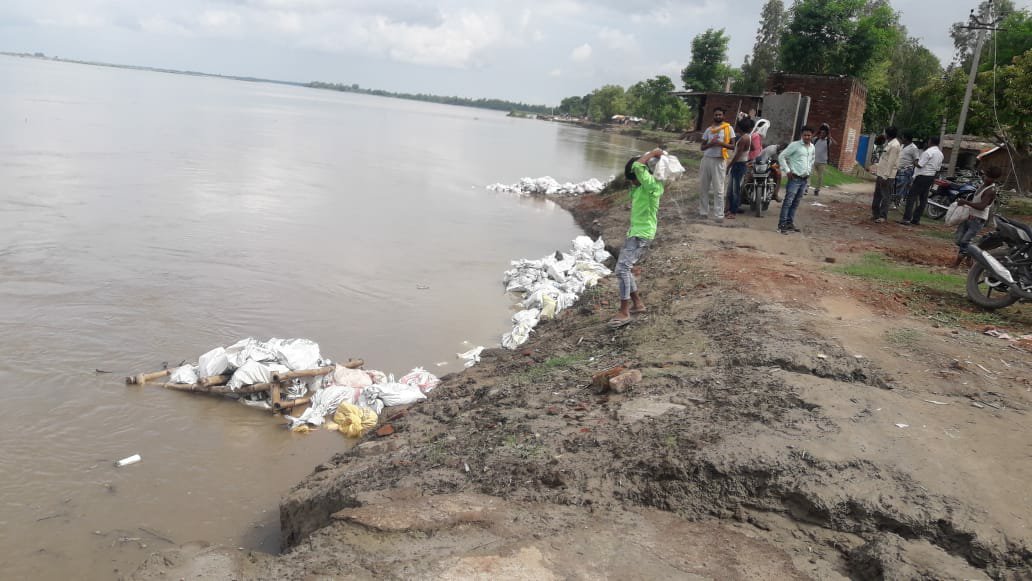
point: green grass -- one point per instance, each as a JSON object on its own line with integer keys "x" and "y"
{"x": 937, "y": 233}
{"x": 902, "y": 337}
{"x": 1018, "y": 205}
{"x": 876, "y": 267}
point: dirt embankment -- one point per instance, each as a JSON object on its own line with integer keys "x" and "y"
{"x": 785, "y": 427}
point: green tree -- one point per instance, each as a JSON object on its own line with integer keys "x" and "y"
{"x": 575, "y": 106}
{"x": 964, "y": 38}
{"x": 894, "y": 94}
{"x": 764, "y": 58}
{"x": 651, "y": 100}
{"x": 838, "y": 37}
{"x": 607, "y": 101}
{"x": 708, "y": 70}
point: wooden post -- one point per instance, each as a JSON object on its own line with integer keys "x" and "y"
{"x": 214, "y": 380}
{"x": 219, "y": 389}
{"x": 145, "y": 377}
{"x": 287, "y": 376}
{"x": 274, "y": 395}
{"x": 291, "y": 403}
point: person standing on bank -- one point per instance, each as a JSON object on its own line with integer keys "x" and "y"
{"x": 797, "y": 160}
{"x": 645, "y": 193}
{"x": 716, "y": 141}
{"x": 821, "y": 145}
{"x": 736, "y": 169}
{"x": 979, "y": 205}
{"x": 907, "y": 158}
{"x": 887, "y": 166}
{"x": 928, "y": 166}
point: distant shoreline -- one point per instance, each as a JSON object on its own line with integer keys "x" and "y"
{"x": 481, "y": 103}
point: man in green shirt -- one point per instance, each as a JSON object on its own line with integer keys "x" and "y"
{"x": 645, "y": 195}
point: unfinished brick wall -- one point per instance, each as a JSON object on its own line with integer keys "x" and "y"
{"x": 731, "y": 104}
{"x": 838, "y": 101}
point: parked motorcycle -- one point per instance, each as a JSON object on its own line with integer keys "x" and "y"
{"x": 944, "y": 192}
{"x": 1002, "y": 273}
{"x": 760, "y": 183}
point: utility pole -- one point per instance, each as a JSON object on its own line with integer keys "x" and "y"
{"x": 981, "y": 27}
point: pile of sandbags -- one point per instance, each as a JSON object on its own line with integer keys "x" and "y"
{"x": 552, "y": 284}
{"x": 549, "y": 186}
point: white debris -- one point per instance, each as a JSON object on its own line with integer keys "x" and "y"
{"x": 549, "y": 186}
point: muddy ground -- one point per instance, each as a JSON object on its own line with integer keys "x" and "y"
{"x": 792, "y": 422}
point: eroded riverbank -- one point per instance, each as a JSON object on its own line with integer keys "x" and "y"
{"x": 780, "y": 430}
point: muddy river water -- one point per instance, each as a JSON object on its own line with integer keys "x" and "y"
{"x": 148, "y": 217}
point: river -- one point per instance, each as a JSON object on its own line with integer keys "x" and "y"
{"x": 149, "y": 217}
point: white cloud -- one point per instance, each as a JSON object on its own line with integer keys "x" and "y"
{"x": 555, "y": 73}
{"x": 581, "y": 53}
{"x": 618, "y": 40}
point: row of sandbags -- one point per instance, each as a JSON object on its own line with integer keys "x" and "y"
{"x": 551, "y": 284}
{"x": 549, "y": 186}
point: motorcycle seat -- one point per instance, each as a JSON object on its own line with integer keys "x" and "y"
{"x": 1019, "y": 225}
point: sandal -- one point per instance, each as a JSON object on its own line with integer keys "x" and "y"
{"x": 618, "y": 323}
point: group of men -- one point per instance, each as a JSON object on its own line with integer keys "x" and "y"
{"x": 903, "y": 168}
{"x": 725, "y": 159}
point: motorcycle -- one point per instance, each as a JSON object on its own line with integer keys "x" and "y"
{"x": 1002, "y": 265}
{"x": 945, "y": 192}
{"x": 760, "y": 184}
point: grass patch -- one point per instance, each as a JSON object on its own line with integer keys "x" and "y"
{"x": 902, "y": 337}
{"x": 936, "y": 233}
{"x": 875, "y": 266}
{"x": 1018, "y": 205}
{"x": 832, "y": 178}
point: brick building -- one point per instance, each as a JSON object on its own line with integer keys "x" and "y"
{"x": 703, "y": 104}
{"x": 839, "y": 101}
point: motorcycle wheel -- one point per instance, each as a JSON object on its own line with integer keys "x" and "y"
{"x": 754, "y": 200}
{"x": 984, "y": 290}
{"x": 935, "y": 212}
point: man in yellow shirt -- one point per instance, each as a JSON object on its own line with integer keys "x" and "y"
{"x": 717, "y": 140}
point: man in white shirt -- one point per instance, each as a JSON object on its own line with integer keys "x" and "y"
{"x": 928, "y": 165}
{"x": 907, "y": 159}
{"x": 887, "y": 166}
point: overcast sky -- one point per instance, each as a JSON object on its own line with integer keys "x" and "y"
{"x": 531, "y": 50}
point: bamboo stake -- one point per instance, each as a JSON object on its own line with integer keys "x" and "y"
{"x": 291, "y": 403}
{"x": 145, "y": 377}
{"x": 214, "y": 380}
{"x": 274, "y": 395}
{"x": 219, "y": 389}
{"x": 302, "y": 373}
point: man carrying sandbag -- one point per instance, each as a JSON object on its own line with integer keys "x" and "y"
{"x": 645, "y": 193}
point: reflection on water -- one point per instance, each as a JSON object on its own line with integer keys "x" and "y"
{"x": 149, "y": 217}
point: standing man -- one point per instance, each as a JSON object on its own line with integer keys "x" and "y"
{"x": 887, "y": 166}
{"x": 821, "y": 145}
{"x": 928, "y": 166}
{"x": 797, "y": 160}
{"x": 907, "y": 158}
{"x": 645, "y": 194}
{"x": 736, "y": 169}
{"x": 716, "y": 141}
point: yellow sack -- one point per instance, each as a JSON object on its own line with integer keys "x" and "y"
{"x": 353, "y": 420}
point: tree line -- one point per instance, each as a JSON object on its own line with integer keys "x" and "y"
{"x": 906, "y": 84}
{"x": 496, "y": 104}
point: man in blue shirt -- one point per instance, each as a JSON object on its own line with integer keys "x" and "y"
{"x": 797, "y": 160}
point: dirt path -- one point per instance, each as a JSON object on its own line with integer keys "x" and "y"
{"x": 791, "y": 422}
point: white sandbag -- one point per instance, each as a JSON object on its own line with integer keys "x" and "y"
{"x": 213, "y": 363}
{"x": 529, "y": 317}
{"x": 296, "y": 354}
{"x": 376, "y": 376}
{"x": 392, "y": 394}
{"x": 325, "y": 401}
{"x": 471, "y": 357}
{"x": 351, "y": 377}
{"x": 184, "y": 374}
{"x": 668, "y": 168}
{"x": 422, "y": 379}
{"x": 249, "y": 349}
{"x": 252, "y": 372}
